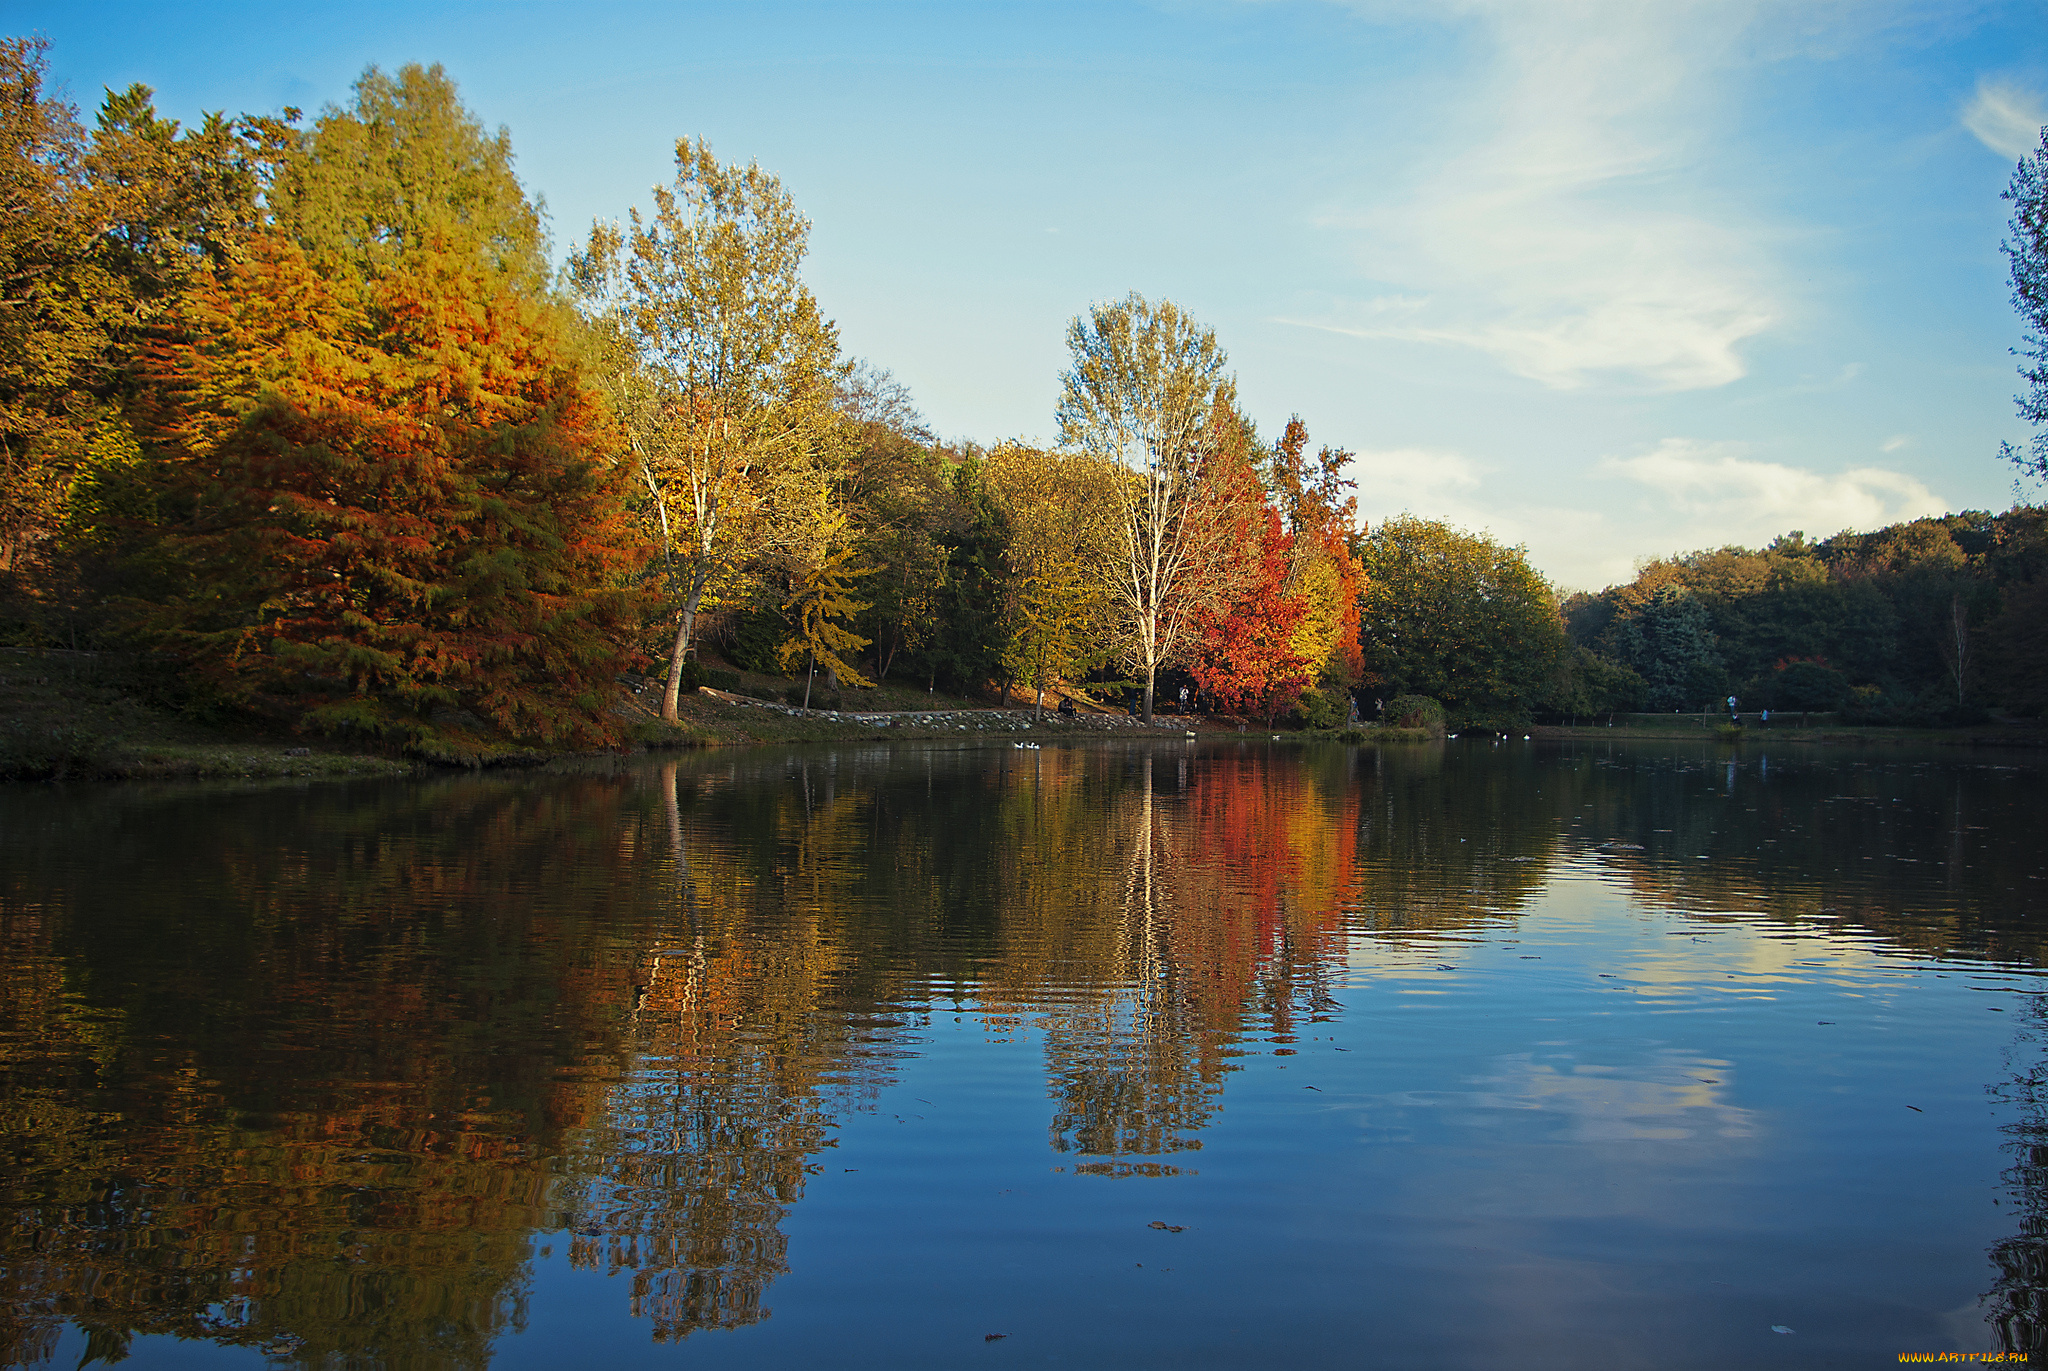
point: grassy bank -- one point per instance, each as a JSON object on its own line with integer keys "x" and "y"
{"x": 82, "y": 716}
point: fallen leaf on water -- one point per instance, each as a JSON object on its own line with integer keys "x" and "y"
{"x": 1916, "y": 1109}
{"x": 991, "y": 1337}
{"x": 1169, "y": 1227}
{"x": 1318, "y": 1089}
{"x": 1779, "y": 1328}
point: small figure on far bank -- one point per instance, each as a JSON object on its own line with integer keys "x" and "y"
{"x": 1351, "y": 716}
{"x": 1067, "y": 706}
{"x": 1732, "y": 715}
{"x": 1764, "y": 719}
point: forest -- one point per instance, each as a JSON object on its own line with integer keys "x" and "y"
{"x": 312, "y": 411}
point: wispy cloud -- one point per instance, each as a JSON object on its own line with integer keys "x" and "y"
{"x": 1565, "y": 234}
{"x": 1567, "y": 543}
{"x": 1719, "y": 496}
{"x": 1415, "y": 479}
{"x": 2006, "y": 118}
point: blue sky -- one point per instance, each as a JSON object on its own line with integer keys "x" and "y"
{"x": 1608, "y": 280}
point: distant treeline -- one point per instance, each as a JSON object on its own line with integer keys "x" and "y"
{"x": 1930, "y": 621}
{"x": 305, "y": 412}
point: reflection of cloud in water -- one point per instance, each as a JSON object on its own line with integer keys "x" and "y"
{"x": 1662, "y": 1099}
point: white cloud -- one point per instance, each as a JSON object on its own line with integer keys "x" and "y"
{"x": 1720, "y": 496}
{"x": 1572, "y": 240}
{"x": 1442, "y": 484}
{"x": 2006, "y": 118}
{"x": 1416, "y": 479}
{"x": 1593, "y": 528}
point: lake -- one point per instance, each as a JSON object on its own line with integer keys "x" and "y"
{"x": 1230, "y": 1053}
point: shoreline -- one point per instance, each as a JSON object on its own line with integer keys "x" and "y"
{"x": 59, "y": 728}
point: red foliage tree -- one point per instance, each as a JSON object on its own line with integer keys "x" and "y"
{"x": 1246, "y": 657}
{"x": 380, "y": 504}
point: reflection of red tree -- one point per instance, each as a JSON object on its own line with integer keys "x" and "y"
{"x": 1267, "y": 860}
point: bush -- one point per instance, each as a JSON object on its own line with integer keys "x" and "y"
{"x": 1324, "y": 708}
{"x": 692, "y": 676}
{"x": 31, "y": 754}
{"x": 1812, "y": 686}
{"x": 728, "y": 681}
{"x": 1934, "y": 708}
{"x": 1414, "y": 711}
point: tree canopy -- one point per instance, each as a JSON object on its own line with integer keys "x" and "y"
{"x": 1457, "y": 617}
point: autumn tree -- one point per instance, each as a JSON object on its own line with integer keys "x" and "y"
{"x": 820, "y": 566}
{"x": 103, "y": 230}
{"x": 1320, "y": 516}
{"x": 53, "y": 292}
{"x": 1144, "y": 389}
{"x": 740, "y": 363}
{"x": 382, "y": 488}
{"x": 1247, "y": 655}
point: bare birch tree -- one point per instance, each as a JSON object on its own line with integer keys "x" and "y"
{"x": 1145, "y": 390}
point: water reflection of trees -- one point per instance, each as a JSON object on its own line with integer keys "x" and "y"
{"x": 1937, "y": 856}
{"x": 317, "y": 1070}
{"x": 275, "y": 1097}
{"x": 2017, "y": 1304}
{"x": 312, "y": 1071}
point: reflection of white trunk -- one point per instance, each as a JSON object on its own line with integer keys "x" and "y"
{"x": 1141, "y": 950}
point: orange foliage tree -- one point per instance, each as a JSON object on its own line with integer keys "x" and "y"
{"x": 383, "y": 502}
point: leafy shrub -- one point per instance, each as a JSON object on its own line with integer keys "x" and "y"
{"x": 1934, "y": 708}
{"x": 34, "y": 754}
{"x": 1324, "y": 708}
{"x": 691, "y": 677}
{"x": 1808, "y": 686}
{"x": 728, "y": 681}
{"x": 1414, "y": 711}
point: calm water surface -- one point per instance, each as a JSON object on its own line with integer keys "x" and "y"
{"x": 1475, "y": 1055}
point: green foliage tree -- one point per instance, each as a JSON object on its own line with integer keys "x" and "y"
{"x": 406, "y": 168}
{"x": 1061, "y": 509}
{"x": 1457, "y": 617}
{"x": 1669, "y": 644}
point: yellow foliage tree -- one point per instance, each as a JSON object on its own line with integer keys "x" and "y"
{"x": 818, "y": 596}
